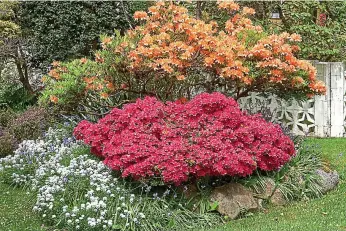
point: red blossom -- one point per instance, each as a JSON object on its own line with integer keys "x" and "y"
{"x": 208, "y": 135}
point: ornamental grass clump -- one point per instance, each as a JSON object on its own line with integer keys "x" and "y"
{"x": 178, "y": 142}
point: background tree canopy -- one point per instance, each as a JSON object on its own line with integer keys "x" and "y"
{"x": 34, "y": 34}
{"x": 322, "y": 25}
{"x": 15, "y": 88}
{"x": 65, "y": 30}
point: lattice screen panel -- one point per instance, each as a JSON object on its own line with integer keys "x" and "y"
{"x": 298, "y": 116}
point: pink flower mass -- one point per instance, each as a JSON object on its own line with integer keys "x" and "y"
{"x": 207, "y": 136}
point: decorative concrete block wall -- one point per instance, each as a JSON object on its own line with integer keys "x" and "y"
{"x": 323, "y": 116}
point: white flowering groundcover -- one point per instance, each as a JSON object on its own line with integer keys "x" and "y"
{"x": 77, "y": 191}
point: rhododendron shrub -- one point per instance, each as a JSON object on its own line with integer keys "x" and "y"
{"x": 180, "y": 141}
{"x": 171, "y": 54}
{"x": 239, "y": 56}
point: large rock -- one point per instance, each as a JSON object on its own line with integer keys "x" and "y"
{"x": 278, "y": 198}
{"x": 328, "y": 180}
{"x": 267, "y": 191}
{"x": 233, "y": 199}
{"x": 271, "y": 193}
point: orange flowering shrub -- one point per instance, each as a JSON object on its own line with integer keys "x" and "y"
{"x": 70, "y": 84}
{"x": 172, "y": 55}
{"x": 239, "y": 56}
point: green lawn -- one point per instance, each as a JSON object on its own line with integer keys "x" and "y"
{"x": 16, "y": 210}
{"x": 325, "y": 214}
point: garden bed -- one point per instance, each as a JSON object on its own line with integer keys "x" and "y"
{"x": 327, "y": 213}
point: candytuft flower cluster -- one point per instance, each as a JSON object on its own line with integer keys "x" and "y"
{"x": 30, "y": 159}
{"x": 207, "y": 136}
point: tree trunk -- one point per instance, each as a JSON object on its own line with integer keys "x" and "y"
{"x": 284, "y": 20}
{"x": 199, "y": 9}
{"x": 22, "y": 69}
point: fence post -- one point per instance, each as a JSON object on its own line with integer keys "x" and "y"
{"x": 337, "y": 92}
{"x": 321, "y": 106}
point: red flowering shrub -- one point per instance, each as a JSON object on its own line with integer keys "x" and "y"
{"x": 208, "y": 135}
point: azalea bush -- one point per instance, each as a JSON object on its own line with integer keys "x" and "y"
{"x": 80, "y": 83}
{"x": 172, "y": 55}
{"x": 176, "y": 141}
{"x": 173, "y": 44}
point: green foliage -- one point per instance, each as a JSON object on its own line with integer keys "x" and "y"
{"x": 323, "y": 40}
{"x": 210, "y": 11}
{"x": 15, "y": 88}
{"x": 134, "y": 6}
{"x": 12, "y": 92}
{"x": 6, "y": 115}
{"x": 70, "y": 87}
{"x": 30, "y": 124}
{"x": 298, "y": 179}
{"x": 16, "y": 97}
{"x": 7, "y": 9}
{"x": 65, "y": 30}
{"x": 80, "y": 89}
{"x": 8, "y": 28}
{"x": 198, "y": 196}
{"x": 7, "y": 142}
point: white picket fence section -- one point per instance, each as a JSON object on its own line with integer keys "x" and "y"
{"x": 323, "y": 116}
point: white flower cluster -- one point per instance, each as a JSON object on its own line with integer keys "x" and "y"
{"x": 31, "y": 154}
{"x": 76, "y": 192}
{"x": 94, "y": 192}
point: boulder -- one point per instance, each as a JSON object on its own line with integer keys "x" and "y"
{"x": 266, "y": 192}
{"x": 278, "y": 198}
{"x": 233, "y": 199}
{"x": 329, "y": 180}
{"x": 271, "y": 194}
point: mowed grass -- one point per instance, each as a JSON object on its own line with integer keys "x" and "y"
{"x": 324, "y": 214}
{"x": 16, "y": 210}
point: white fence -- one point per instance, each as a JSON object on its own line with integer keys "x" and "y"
{"x": 323, "y": 116}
